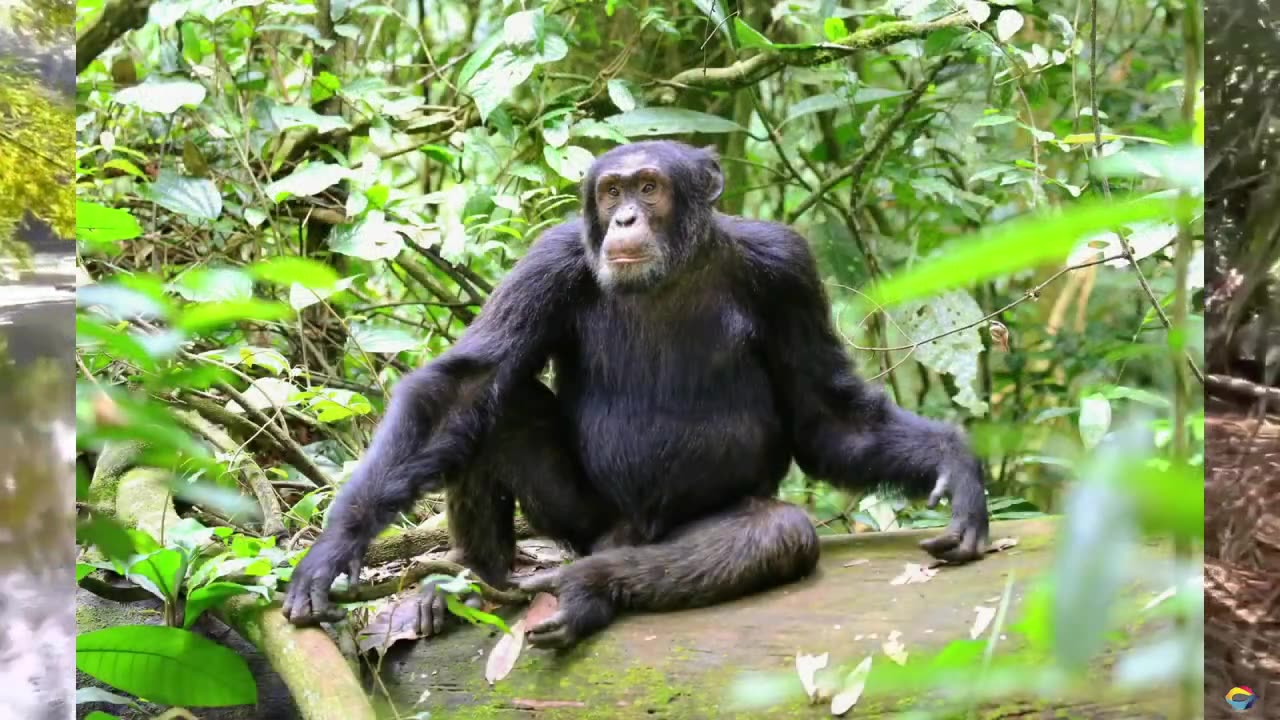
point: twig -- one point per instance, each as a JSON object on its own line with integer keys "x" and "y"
{"x": 756, "y": 68}
{"x": 881, "y": 142}
{"x": 414, "y": 574}
{"x": 1106, "y": 184}
{"x": 1031, "y": 294}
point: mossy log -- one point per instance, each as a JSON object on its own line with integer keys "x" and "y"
{"x": 687, "y": 664}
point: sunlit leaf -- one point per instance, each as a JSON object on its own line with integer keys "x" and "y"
{"x": 670, "y": 121}
{"x": 162, "y": 95}
{"x": 166, "y": 665}
{"x": 307, "y": 181}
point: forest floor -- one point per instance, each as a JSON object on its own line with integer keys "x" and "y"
{"x": 1242, "y": 558}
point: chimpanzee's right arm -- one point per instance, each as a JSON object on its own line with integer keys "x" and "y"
{"x": 439, "y": 412}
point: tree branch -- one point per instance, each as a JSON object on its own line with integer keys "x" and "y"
{"x": 756, "y": 68}
{"x": 117, "y": 18}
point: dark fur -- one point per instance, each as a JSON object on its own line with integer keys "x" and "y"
{"x": 676, "y": 415}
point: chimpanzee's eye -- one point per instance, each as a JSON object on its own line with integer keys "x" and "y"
{"x": 648, "y": 188}
{"x": 613, "y": 191}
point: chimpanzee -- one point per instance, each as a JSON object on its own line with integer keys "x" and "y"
{"x": 694, "y": 358}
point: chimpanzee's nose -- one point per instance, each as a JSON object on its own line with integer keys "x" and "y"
{"x": 626, "y": 217}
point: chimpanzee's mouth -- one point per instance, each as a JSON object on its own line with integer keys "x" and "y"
{"x": 627, "y": 259}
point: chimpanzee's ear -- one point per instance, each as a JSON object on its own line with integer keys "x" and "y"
{"x": 715, "y": 177}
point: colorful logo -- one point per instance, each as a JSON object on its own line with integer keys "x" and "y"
{"x": 1241, "y": 698}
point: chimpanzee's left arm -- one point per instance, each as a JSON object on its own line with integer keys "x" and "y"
{"x": 842, "y": 429}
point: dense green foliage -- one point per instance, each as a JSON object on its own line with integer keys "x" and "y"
{"x": 288, "y": 205}
{"x": 36, "y": 122}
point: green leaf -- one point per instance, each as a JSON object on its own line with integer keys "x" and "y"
{"x": 334, "y": 404}
{"x": 571, "y": 162}
{"x": 382, "y": 339}
{"x": 748, "y": 38}
{"x": 590, "y": 127}
{"x": 208, "y": 597}
{"x": 305, "y": 509}
{"x": 161, "y": 95}
{"x": 833, "y": 28}
{"x": 479, "y": 58}
{"x": 108, "y": 535}
{"x": 267, "y": 393}
{"x": 1008, "y": 23}
{"x": 978, "y": 11}
{"x": 166, "y": 665}
{"x": 301, "y": 297}
{"x": 286, "y": 117}
{"x": 1095, "y": 419}
{"x": 83, "y": 570}
{"x": 1004, "y": 248}
{"x": 97, "y": 337}
{"x": 161, "y": 572}
{"x": 373, "y": 238}
{"x": 991, "y": 120}
{"x": 308, "y": 180}
{"x": 1180, "y": 167}
{"x": 97, "y": 224}
{"x": 124, "y": 166}
{"x": 496, "y": 83}
{"x": 472, "y": 615}
{"x": 192, "y": 197}
{"x": 670, "y": 121}
{"x": 621, "y": 95}
{"x": 714, "y": 10}
{"x": 212, "y": 284}
{"x": 251, "y": 356}
{"x": 207, "y": 316}
{"x": 293, "y": 270}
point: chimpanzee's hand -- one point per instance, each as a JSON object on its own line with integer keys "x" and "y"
{"x": 965, "y": 539}
{"x": 307, "y": 601}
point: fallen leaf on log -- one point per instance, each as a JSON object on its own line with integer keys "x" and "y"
{"x": 913, "y": 573}
{"x": 854, "y": 682}
{"x": 505, "y": 653}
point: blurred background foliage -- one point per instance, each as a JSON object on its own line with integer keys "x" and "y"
{"x": 283, "y": 207}
{"x": 36, "y": 119}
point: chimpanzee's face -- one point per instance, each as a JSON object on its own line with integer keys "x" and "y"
{"x": 634, "y": 207}
{"x": 648, "y": 206}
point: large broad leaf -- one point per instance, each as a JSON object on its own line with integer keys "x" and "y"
{"x": 497, "y": 82}
{"x": 207, "y": 316}
{"x": 97, "y": 224}
{"x": 213, "y": 284}
{"x": 166, "y": 665}
{"x": 301, "y": 296}
{"x": 209, "y": 596}
{"x": 191, "y": 197}
{"x": 286, "y": 117}
{"x": 381, "y": 339}
{"x": 957, "y": 353}
{"x": 1007, "y": 247}
{"x": 334, "y": 404}
{"x": 161, "y": 572}
{"x": 162, "y": 95}
{"x": 571, "y": 162}
{"x": 292, "y": 270}
{"x": 370, "y": 239}
{"x": 714, "y": 10}
{"x": 621, "y": 95}
{"x": 307, "y": 181}
{"x": 816, "y": 104}
{"x": 267, "y": 394}
{"x": 670, "y": 121}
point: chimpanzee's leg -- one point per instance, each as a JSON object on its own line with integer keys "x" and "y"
{"x": 526, "y": 458}
{"x": 757, "y": 544}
